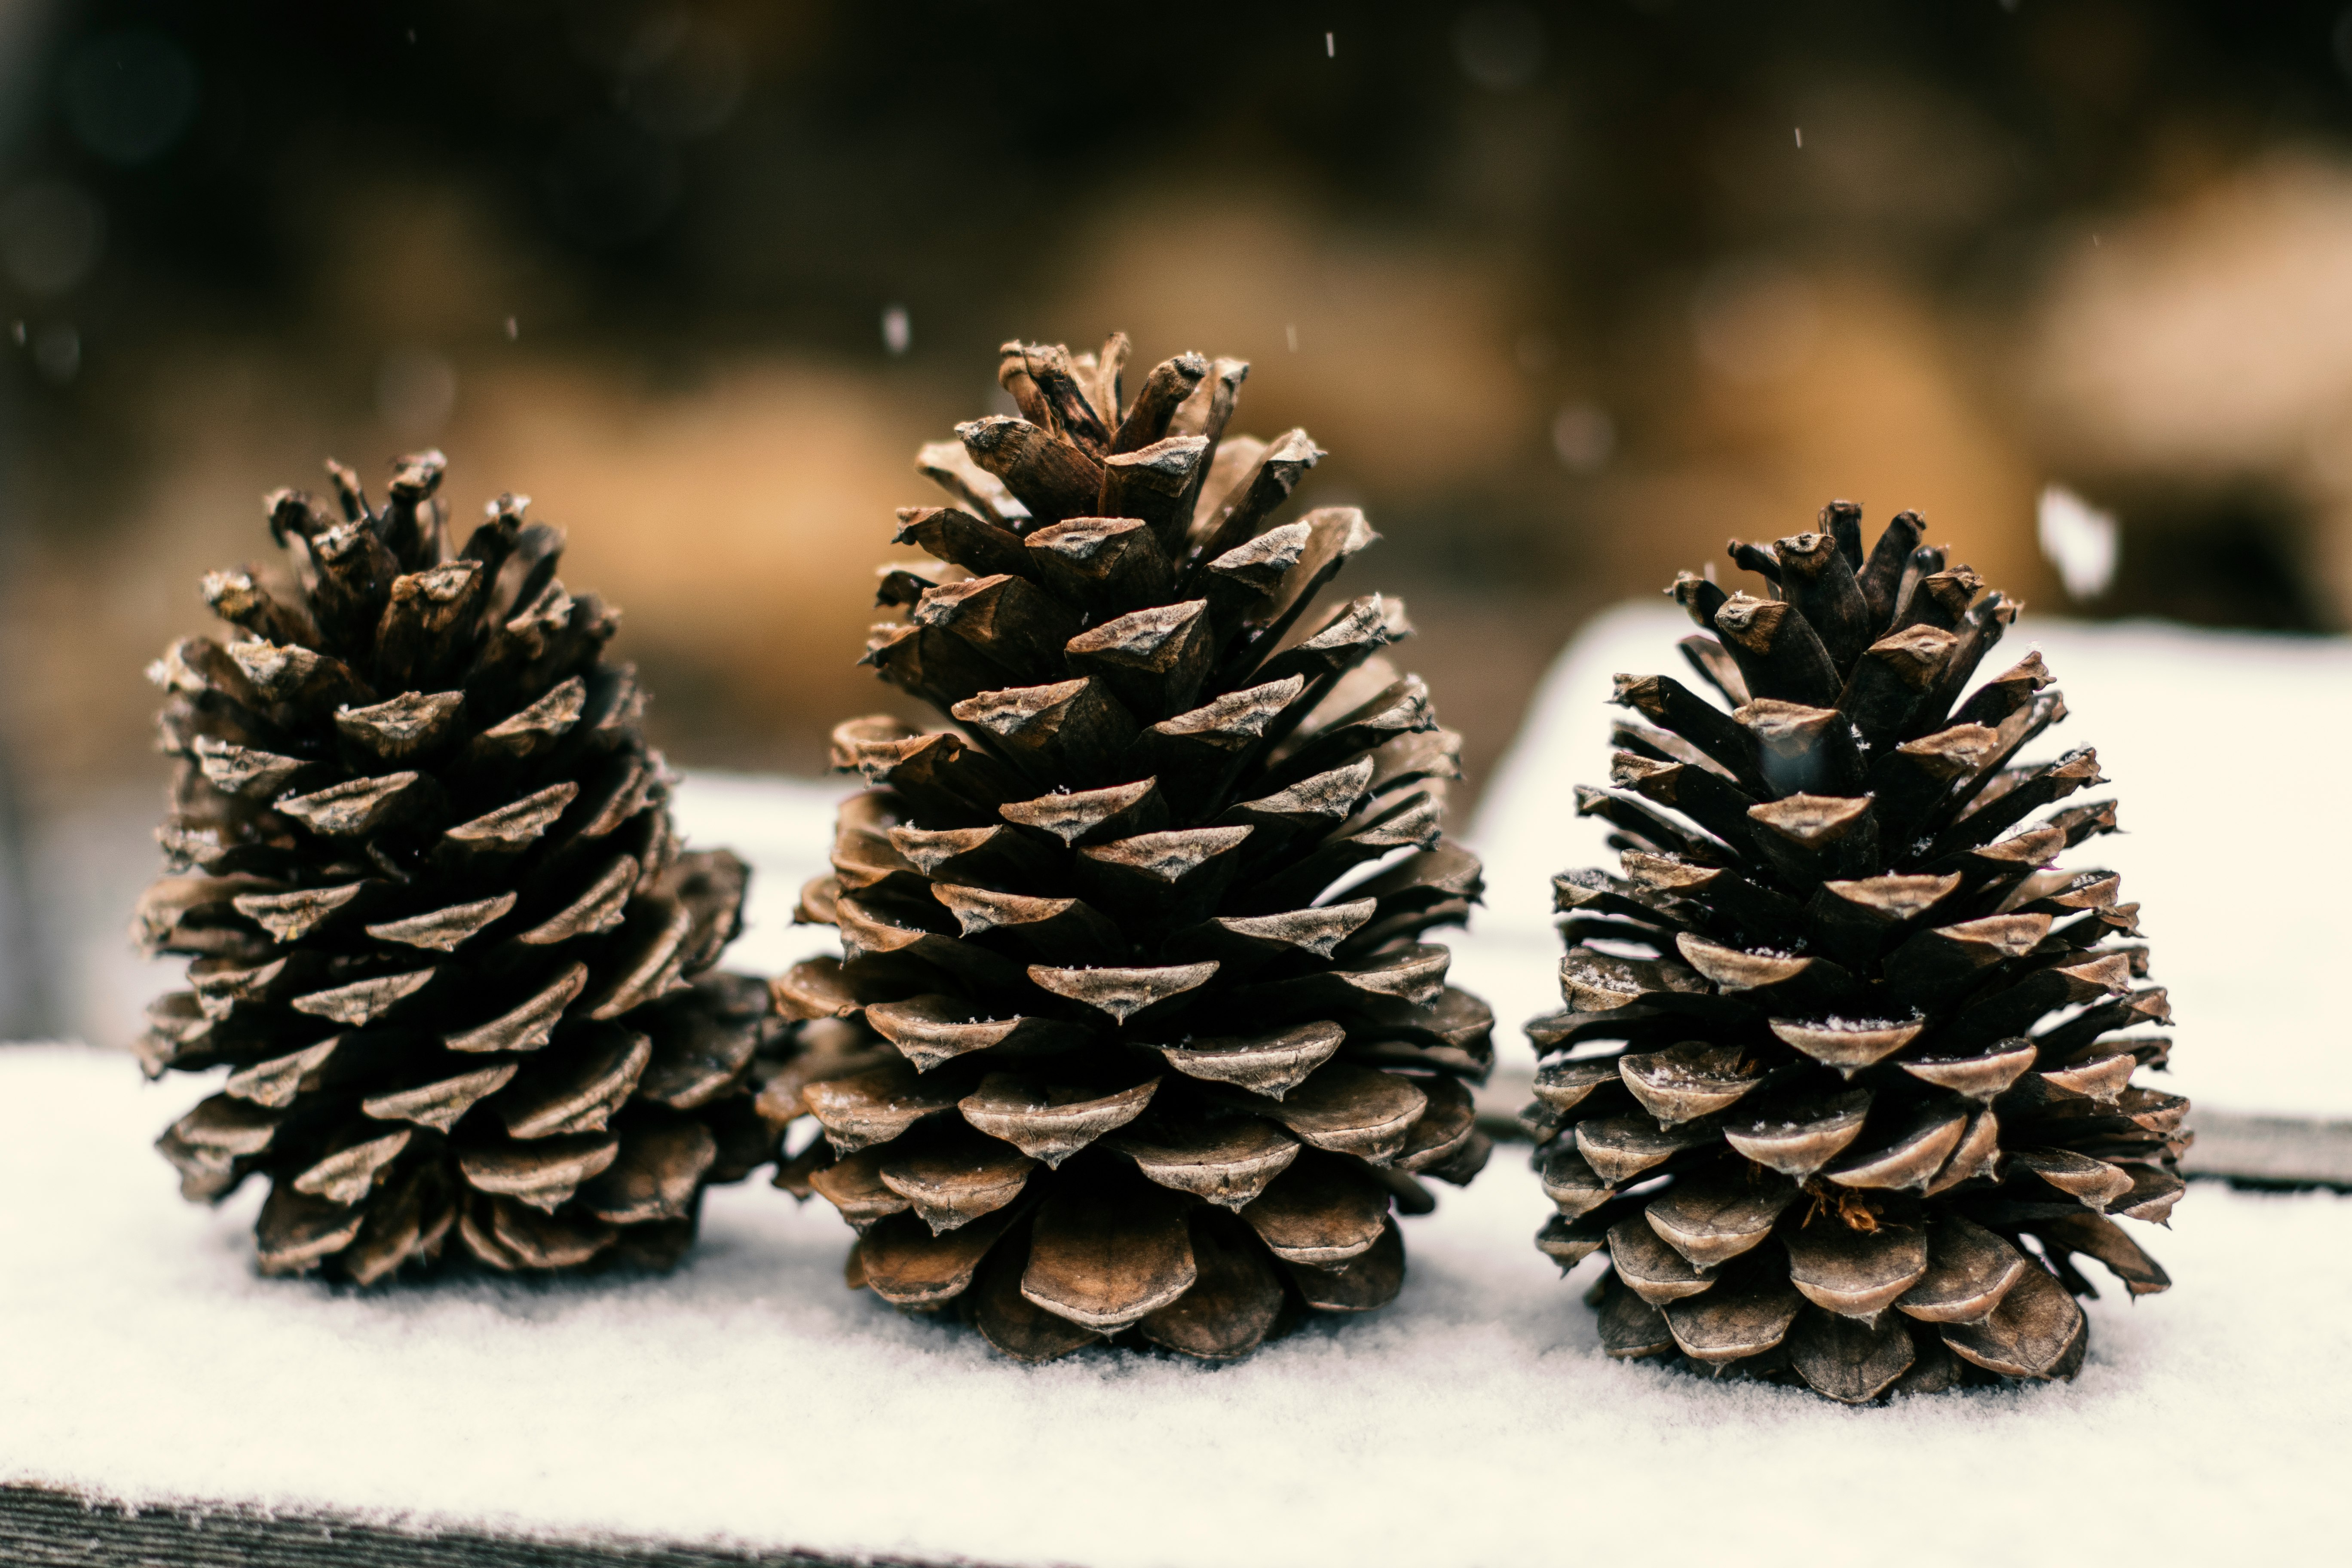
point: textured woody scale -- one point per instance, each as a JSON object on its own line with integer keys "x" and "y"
{"x": 1115, "y": 1042}
{"x": 1845, "y": 1085}
{"x": 441, "y": 931}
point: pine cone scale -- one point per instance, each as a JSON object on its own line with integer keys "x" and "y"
{"x": 1856, "y": 1274}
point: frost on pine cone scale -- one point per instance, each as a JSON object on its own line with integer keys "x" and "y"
{"x": 441, "y": 930}
{"x": 1845, "y": 1077}
{"x": 1113, "y": 1044}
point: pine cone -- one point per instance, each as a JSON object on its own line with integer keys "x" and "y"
{"x": 1844, "y": 1039}
{"x": 1120, "y": 1061}
{"x": 440, "y": 927}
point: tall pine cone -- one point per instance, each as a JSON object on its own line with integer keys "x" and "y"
{"x": 1846, "y": 1096}
{"x": 1132, "y": 1050}
{"x": 440, "y": 926}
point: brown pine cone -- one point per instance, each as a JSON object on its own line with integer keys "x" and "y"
{"x": 1847, "y": 1088}
{"x": 1130, "y": 1051}
{"x": 440, "y": 928}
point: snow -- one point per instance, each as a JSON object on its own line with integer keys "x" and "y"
{"x": 749, "y": 1398}
{"x": 2078, "y": 539}
{"x": 783, "y": 828}
{"x": 2219, "y": 747}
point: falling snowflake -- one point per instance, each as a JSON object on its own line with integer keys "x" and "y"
{"x": 2079, "y": 540}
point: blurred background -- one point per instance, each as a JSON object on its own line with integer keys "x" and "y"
{"x": 1571, "y": 292}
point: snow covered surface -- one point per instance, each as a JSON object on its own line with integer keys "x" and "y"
{"x": 783, "y": 830}
{"x": 750, "y": 1398}
{"x": 2219, "y": 746}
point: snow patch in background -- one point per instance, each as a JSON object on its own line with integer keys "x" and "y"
{"x": 92, "y": 861}
{"x": 2239, "y": 880}
{"x": 783, "y": 828}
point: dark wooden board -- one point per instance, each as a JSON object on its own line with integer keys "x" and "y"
{"x": 2295, "y": 1153}
{"x": 41, "y": 1528}
{"x": 2279, "y": 1151}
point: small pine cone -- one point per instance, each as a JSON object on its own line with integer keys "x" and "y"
{"x": 440, "y": 928}
{"x": 1118, "y": 1060}
{"x": 1878, "y": 1047}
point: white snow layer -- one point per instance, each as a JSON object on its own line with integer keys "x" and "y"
{"x": 750, "y": 1398}
{"x": 2225, "y": 751}
{"x": 783, "y": 830}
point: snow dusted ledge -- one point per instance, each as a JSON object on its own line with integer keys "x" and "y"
{"x": 748, "y": 1408}
{"x": 749, "y": 1402}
